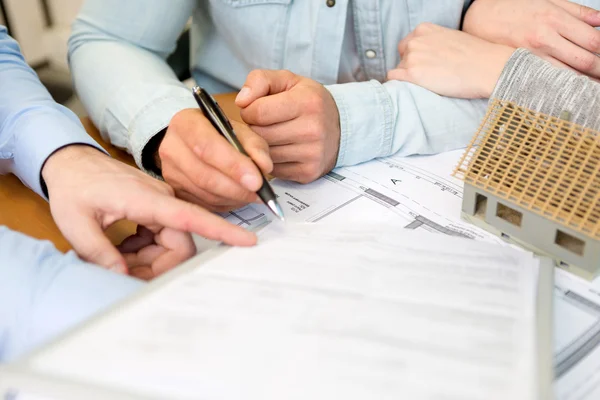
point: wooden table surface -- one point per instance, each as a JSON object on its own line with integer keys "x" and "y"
{"x": 23, "y": 210}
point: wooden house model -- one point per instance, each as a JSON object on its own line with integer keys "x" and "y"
{"x": 534, "y": 180}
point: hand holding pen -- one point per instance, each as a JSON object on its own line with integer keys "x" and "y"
{"x": 203, "y": 168}
{"x": 212, "y": 111}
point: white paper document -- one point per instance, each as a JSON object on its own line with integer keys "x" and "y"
{"x": 577, "y": 338}
{"x": 420, "y": 193}
{"x": 319, "y": 312}
{"x": 415, "y": 192}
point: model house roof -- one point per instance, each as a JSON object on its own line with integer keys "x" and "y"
{"x": 541, "y": 163}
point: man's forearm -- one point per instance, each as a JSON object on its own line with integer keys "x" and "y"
{"x": 121, "y": 75}
{"x": 378, "y": 120}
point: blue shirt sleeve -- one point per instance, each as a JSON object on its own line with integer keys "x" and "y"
{"x": 381, "y": 119}
{"x": 123, "y": 45}
{"x": 43, "y": 292}
{"x": 32, "y": 125}
{"x": 117, "y": 54}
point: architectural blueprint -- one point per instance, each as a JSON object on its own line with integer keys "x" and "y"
{"x": 413, "y": 192}
{"x": 420, "y": 193}
{"x": 576, "y": 337}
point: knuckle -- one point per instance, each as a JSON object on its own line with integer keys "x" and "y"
{"x": 315, "y": 103}
{"x": 202, "y": 147}
{"x": 258, "y": 137}
{"x": 423, "y": 28}
{"x": 260, "y": 114}
{"x": 308, "y": 173}
{"x": 259, "y": 144}
{"x": 536, "y": 40}
{"x": 586, "y": 63}
{"x": 551, "y": 19}
{"x": 314, "y": 132}
{"x": 166, "y": 189}
{"x": 586, "y": 11}
{"x": 287, "y": 74}
{"x": 164, "y": 150}
{"x": 170, "y": 177}
{"x": 208, "y": 182}
{"x": 316, "y": 153}
{"x": 545, "y": 16}
{"x": 236, "y": 169}
{"x": 176, "y": 120}
{"x": 200, "y": 178}
{"x": 595, "y": 42}
{"x": 180, "y": 122}
{"x": 255, "y": 75}
{"x": 412, "y": 46}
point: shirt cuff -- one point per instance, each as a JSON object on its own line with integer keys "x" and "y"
{"x": 366, "y": 121}
{"x": 37, "y": 137}
{"x": 153, "y": 118}
{"x": 518, "y": 65}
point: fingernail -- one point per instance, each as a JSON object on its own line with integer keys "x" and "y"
{"x": 243, "y": 95}
{"x": 251, "y": 182}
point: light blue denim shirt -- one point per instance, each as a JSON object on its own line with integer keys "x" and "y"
{"x": 42, "y": 292}
{"x": 117, "y": 53}
{"x": 32, "y": 125}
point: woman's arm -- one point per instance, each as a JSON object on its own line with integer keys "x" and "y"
{"x": 533, "y": 83}
{"x": 455, "y": 64}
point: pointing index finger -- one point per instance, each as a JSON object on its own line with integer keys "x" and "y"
{"x": 163, "y": 210}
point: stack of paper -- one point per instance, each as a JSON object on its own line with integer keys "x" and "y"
{"x": 319, "y": 312}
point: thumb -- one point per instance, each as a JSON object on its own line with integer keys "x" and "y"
{"x": 263, "y": 82}
{"x": 398, "y": 74}
{"x": 91, "y": 244}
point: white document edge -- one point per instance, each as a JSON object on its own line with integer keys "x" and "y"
{"x": 19, "y": 377}
{"x": 545, "y": 329}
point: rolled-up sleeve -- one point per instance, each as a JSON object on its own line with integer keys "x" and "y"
{"x": 378, "y": 120}
{"x": 117, "y": 54}
{"x": 534, "y": 83}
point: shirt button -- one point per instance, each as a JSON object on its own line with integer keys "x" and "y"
{"x": 330, "y": 3}
{"x": 370, "y": 54}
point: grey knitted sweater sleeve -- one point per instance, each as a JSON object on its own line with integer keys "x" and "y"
{"x": 533, "y": 83}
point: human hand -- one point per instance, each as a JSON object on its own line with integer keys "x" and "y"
{"x": 205, "y": 169}
{"x": 299, "y": 120}
{"x": 90, "y": 191}
{"x": 450, "y": 62}
{"x": 557, "y": 30}
{"x": 150, "y": 253}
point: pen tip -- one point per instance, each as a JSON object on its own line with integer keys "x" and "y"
{"x": 276, "y": 209}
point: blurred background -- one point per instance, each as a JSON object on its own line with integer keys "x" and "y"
{"x": 42, "y": 29}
